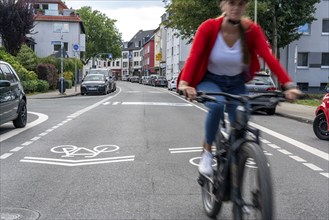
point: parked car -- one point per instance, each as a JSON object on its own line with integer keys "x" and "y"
{"x": 12, "y": 97}
{"x": 108, "y": 74}
{"x": 134, "y": 79}
{"x": 172, "y": 83}
{"x": 94, "y": 84}
{"x": 159, "y": 81}
{"x": 262, "y": 83}
{"x": 321, "y": 121}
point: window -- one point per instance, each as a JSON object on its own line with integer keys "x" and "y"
{"x": 136, "y": 63}
{"x": 325, "y": 60}
{"x": 305, "y": 29}
{"x": 136, "y": 54}
{"x": 124, "y": 64}
{"x": 117, "y": 63}
{"x": 325, "y": 26}
{"x": 125, "y": 55}
{"x": 302, "y": 60}
{"x": 303, "y": 86}
{"x": 61, "y": 27}
{"x": 8, "y": 74}
{"x": 57, "y": 47}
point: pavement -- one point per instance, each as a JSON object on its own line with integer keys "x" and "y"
{"x": 289, "y": 110}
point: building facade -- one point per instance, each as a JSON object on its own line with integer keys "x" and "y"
{"x": 307, "y": 60}
{"x": 55, "y": 25}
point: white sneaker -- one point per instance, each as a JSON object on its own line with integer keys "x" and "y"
{"x": 205, "y": 167}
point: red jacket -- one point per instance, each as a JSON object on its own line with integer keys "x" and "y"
{"x": 204, "y": 40}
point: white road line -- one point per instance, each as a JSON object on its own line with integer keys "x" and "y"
{"x": 274, "y": 146}
{"x": 16, "y": 149}
{"x": 184, "y": 151}
{"x": 78, "y": 164}
{"x": 43, "y": 134}
{"x": 54, "y": 127}
{"x": 298, "y": 159}
{"x": 106, "y": 103}
{"x": 265, "y": 141}
{"x": 185, "y": 148}
{"x": 27, "y": 143}
{"x": 78, "y": 113}
{"x": 157, "y": 104}
{"x": 78, "y": 161}
{"x": 313, "y": 167}
{"x": 285, "y": 152}
{"x": 49, "y": 130}
{"x": 291, "y": 141}
{"x": 325, "y": 174}
{"x": 115, "y": 103}
{"x": 6, "y": 155}
{"x": 41, "y": 118}
{"x": 35, "y": 138}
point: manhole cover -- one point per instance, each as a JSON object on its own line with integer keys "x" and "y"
{"x": 18, "y": 213}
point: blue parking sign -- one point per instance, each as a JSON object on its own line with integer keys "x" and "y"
{"x": 110, "y": 56}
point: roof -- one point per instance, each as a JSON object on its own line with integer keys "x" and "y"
{"x": 142, "y": 37}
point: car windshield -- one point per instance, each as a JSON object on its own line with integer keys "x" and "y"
{"x": 94, "y": 78}
{"x": 261, "y": 80}
{"x": 95, "y": 71}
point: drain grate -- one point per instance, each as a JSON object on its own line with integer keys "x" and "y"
{"x": 18, "y": 213}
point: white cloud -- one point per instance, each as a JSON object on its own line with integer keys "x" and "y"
{"x": 131, "y": 16}
{"x": 131, "y": 20}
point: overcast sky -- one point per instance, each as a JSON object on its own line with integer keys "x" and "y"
{"x": 131, "y": 15}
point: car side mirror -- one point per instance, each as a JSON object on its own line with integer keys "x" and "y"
{"x": 4, "y": 83}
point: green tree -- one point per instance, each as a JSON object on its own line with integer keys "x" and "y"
{"x": 280, "y": 19}
{"x": 27, "y": 57}
{"x": 101, "y": 34}
{"x": 16, "y": 20}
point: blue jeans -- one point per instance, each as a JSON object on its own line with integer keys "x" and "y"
{"x": 215, "y": 83}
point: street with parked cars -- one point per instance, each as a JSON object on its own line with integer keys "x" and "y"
{"x": 141, "y": 162}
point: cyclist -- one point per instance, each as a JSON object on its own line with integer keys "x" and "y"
{"x": 223, "y": 56}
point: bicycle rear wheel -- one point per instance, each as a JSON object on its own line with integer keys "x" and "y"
{"x": 255, "y": 184}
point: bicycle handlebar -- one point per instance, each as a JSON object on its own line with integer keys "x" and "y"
{"x": 243, "y": 99}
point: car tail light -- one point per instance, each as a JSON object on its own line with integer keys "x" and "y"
{"x": 271, "y": 89}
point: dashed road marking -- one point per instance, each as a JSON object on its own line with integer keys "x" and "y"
{"x": 313, "y": 167}
{"x": 16, "y": 149}
{"x": 27, "y": 143}
{"x": 285, "y": 152}
{"x": 298, "y": 159}
{"x": 6, "y": 155}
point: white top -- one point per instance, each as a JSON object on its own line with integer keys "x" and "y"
{"x": 225, "y": 60}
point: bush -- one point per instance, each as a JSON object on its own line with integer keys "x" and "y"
{"x": 30, "y": 86}
{"x": 68, "y": 75}
{"x": 27, "y": 58}
{"x": 68, "y": 84}
{"x": 43, "y": 86}
{"x": 48, "y": 72}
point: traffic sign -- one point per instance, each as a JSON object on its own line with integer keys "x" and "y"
{"x": 75, "y": 47}
{"x": 110, "y": 56}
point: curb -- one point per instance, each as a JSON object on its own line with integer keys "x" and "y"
{"x": 301, "y": 119}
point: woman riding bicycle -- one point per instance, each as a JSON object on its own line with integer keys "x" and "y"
{"x": 223, "y": 56}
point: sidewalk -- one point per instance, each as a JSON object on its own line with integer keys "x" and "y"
{"x": 294, "y": 111}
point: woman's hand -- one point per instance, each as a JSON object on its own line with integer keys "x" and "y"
{"x": 188, "y": 91}
{"x": 292, "y": 92}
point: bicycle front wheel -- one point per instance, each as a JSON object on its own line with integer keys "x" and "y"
{"x": 255, "y": 184}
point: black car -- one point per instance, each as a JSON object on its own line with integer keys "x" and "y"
{"x": 12, "y": 97}
{"x": 94, "y": 84}
{"x": 108, "y": 74}
{"x": 262, "y": 83}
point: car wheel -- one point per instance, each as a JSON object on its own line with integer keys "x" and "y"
{"x": 270, "y": 111}
{"x": 320, "y": 127}
{"x": 21, "y": 119}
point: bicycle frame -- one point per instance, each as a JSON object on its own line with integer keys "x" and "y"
{"x": 226, "y": 179}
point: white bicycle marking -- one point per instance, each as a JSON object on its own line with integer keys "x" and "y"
{"x": 71, "y": 150}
